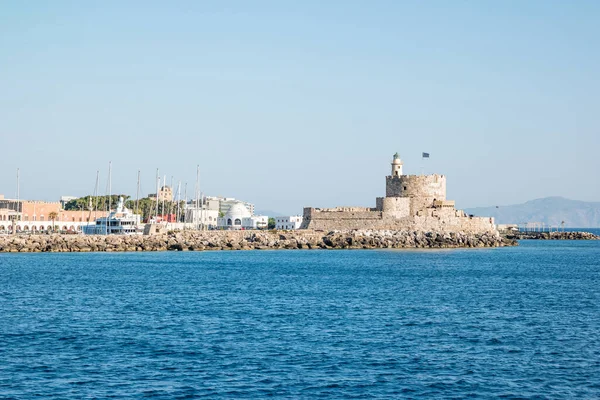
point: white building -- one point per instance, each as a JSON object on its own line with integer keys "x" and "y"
{"x": 256, "y": 222}
{"x": 288, "y": 222}
{"x": 238, "y": 217}
{"x": 65, "y": 199}
{"x": 225, "y": 203}
{"x": 201, "y": 216}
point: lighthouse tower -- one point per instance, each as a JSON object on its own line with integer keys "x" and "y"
{"x": 396, "y": 166}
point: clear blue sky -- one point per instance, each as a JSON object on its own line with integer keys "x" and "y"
{"x": 291, "y": 104}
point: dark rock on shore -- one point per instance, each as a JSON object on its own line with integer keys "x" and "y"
{"x": 552, "y": 236}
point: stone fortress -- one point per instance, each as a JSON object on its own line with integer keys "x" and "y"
{"x": 411, "y": 203}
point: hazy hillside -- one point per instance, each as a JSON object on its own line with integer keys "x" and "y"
{"x": 549, "y": 210}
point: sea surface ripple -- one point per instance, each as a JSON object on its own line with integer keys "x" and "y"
{"x": 513, "y": 322}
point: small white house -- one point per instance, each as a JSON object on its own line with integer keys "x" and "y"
{"x": 256, "y": 222}
{"x": 288, "y": 222}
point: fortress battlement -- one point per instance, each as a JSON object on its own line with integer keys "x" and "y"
{"x": 345, "y": 209}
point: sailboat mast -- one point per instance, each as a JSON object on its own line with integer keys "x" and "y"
{"x": 178, "y": 200}
{"x": 95, "y": 205}
{"x": 197, "y": 193}
{"x": 17, "y": 216}
{"x": 157, "y": 185}
{"x": 137, "y": 194}
{"x": 109, "y": 196}
{"x": 163, "y": 199}
{"x": 202, "y": 221}
{"x": 97, "y": 191}
{"x": 185, "y": 218}
{"x": 109, "y": 185}
{"x": 18, "y": 191}
{"x": 172, "y": 196}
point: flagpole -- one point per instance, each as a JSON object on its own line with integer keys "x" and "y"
{"x": 423, "y": 157}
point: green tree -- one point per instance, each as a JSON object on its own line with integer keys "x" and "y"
{"x": 97, "y": 202}
{"x": 271, "y": 224}
{"x": 53, "y": 215}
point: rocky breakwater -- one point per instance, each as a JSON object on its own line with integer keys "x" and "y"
{"x": 248, "y": 240}
{"x": 553, "y": 236}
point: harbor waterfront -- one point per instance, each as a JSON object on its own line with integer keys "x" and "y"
{"x": 516, "y": 322}
{"x": 249, "y": 240}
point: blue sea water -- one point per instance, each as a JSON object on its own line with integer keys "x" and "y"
{"x": 518, "y": 322}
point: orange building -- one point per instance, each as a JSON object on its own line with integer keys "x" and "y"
{"x": 40, "y": 211}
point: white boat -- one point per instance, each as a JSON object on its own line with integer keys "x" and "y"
{"x": 119, "y": 222}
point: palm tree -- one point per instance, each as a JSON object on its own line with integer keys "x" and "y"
{"x": 53, "y": 215}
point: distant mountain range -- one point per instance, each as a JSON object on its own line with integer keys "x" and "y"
{"x": 549, "y": 210}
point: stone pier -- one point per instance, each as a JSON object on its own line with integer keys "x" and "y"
{"x": 249, "y": 240}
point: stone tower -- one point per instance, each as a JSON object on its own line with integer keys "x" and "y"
{"x": 422, "y": 190}
{"x": 396, "y": 165}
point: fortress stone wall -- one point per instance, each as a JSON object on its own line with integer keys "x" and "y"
{"x": 422, "y": 190}
{"x": 412, "y": 202}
